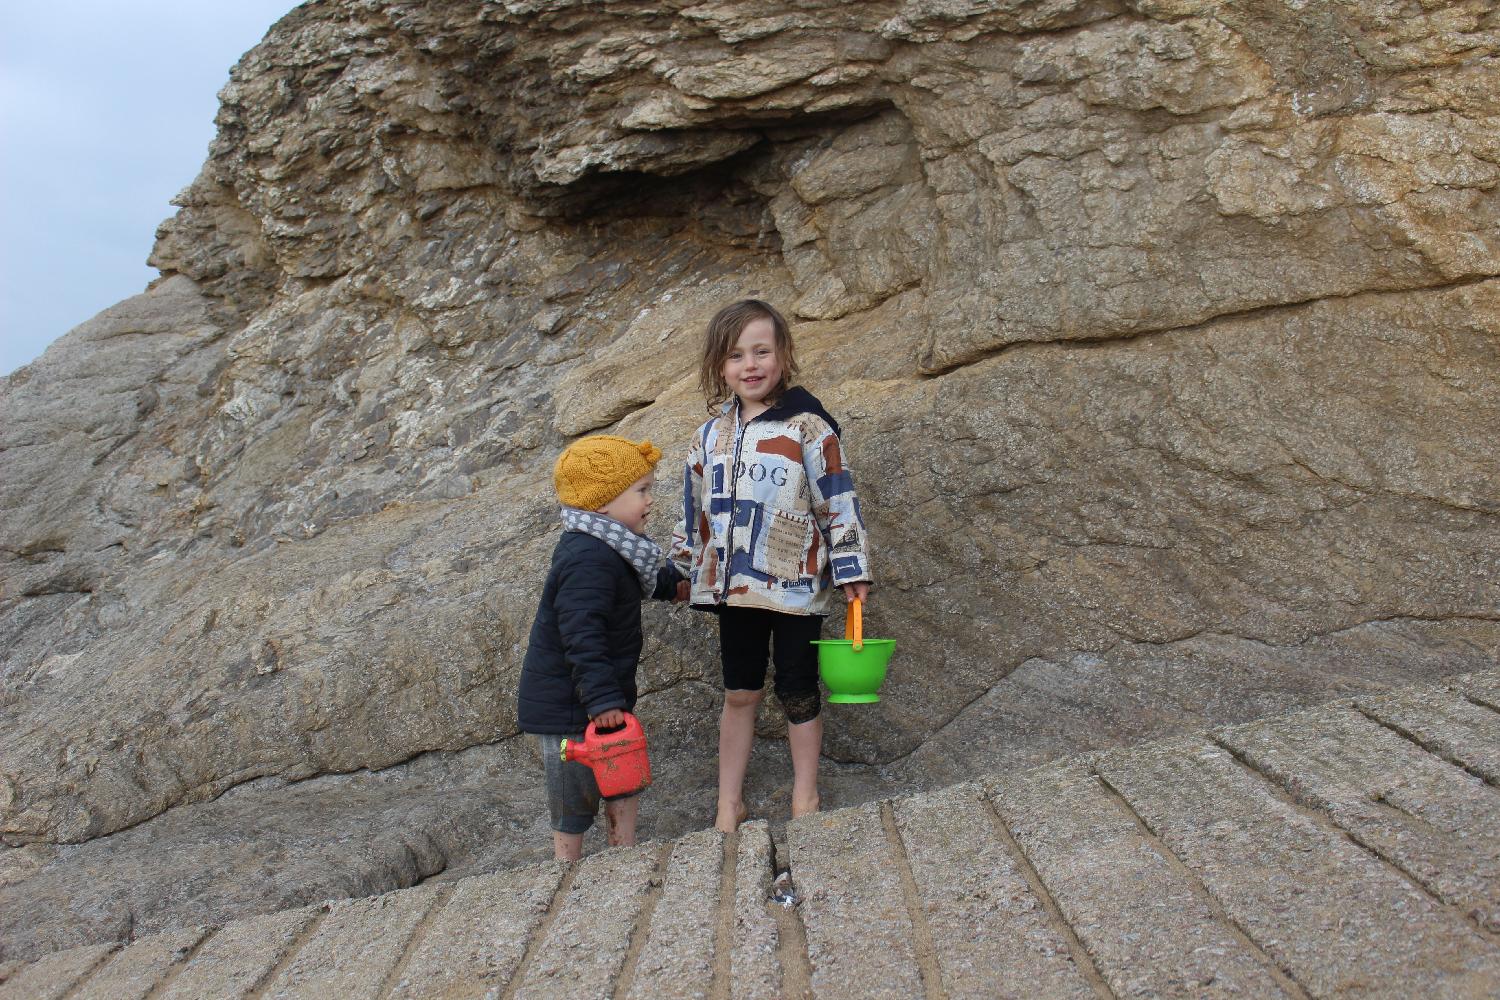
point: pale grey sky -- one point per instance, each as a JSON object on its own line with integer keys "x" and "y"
{"x": 106, "y": 112}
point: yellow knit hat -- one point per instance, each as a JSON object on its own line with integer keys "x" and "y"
{"x": 594, "y": 470}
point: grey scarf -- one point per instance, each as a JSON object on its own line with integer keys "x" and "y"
{"x": 641, "y": 552}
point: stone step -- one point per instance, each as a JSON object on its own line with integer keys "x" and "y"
{"x": 860, "y": 937}
{"x": 1351, "y": 850}
{"x": 677, "y": 957}
{"x": 1331, "y": 914}
{"x": 52, "y": 977}
{"x": 1410, "y": 807}
{"x": 135, "y": 971}
{"x": 354, "y": 949}
{"x": 474, "y": 944}
{"x": 991, "y": 935}
{"x": 1446, "y": 723}
{"x": 755, "y": 971}
{"x": 587, "y": 938}
{"x": 1149, "y": 926}
{"x": 242, "y": 955}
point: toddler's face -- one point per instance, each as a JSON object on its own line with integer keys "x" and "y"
{"x": 753, "y": 369}
{"x": 633, "y": 507}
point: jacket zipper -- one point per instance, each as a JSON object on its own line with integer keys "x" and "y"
{"x": 734, "y": 495}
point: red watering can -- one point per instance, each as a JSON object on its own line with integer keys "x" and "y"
{"x": 617, "y": 757}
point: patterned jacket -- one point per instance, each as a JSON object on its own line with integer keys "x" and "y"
{"x": 774, "y": 495}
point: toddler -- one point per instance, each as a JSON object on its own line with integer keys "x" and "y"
{"x": 586, "y": 639}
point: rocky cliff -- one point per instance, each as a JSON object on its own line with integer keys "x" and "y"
{"x": 1165, "y": 333}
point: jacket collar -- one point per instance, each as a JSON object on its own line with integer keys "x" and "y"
{"x": 792, "y": 402}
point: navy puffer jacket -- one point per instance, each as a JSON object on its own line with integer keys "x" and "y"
{"x": 586, "y": 638}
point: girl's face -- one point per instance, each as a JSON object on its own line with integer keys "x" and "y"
{"x": 633, "y": 507}
{"x": 753, "y": 369}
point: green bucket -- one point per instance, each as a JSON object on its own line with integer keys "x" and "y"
{"x": 853, "y": 668}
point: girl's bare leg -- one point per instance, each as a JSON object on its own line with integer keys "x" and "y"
{"x": 736, "y": 738}
{"x": 567, "y": 846}
{"x": 806, "y": 742}
{"x": 620, "y": 816}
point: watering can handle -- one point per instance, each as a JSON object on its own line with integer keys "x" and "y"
{"x": 628, "y": 727}
{"x": 854, "y": 625}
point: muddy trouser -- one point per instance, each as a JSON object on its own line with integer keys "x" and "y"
{"x": 572, "y": 792}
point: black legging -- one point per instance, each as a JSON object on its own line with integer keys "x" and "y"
{"x": 745, "y": 637}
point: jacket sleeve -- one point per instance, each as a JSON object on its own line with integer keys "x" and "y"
{"x": 585, "y": 593}
{"x": 834, "y": 503}
{"x": 667, "y": 579}
{"x": 685, "y": 539}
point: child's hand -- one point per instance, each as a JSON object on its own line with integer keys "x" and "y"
{"x": 684, "y": 591}
{"x": 612, "y": 719}
{"x": 860, "y": 590}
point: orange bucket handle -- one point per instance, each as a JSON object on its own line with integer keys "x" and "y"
{"x": 854, "y": 625}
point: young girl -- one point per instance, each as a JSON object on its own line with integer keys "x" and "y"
{"x": 770, "y": 527}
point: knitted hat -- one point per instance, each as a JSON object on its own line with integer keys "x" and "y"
{"x": 594, "y": 470}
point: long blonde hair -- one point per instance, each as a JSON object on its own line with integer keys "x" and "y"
{"x": 724, "y": 331}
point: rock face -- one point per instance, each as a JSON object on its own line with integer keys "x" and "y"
{"x": 1165, "y": 334}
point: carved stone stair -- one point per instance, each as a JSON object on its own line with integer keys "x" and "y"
{"x": 1349, "y": 850}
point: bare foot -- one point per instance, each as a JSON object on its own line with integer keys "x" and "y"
{"x": 730, "y": 816}
{"x": 801, "y": 807}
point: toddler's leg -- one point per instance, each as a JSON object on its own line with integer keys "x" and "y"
{"x": 567, "y": 846}
{"x": 736, "y": 738}
{"x": 620, "y": 815}
{"x": 572, "y": 798}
